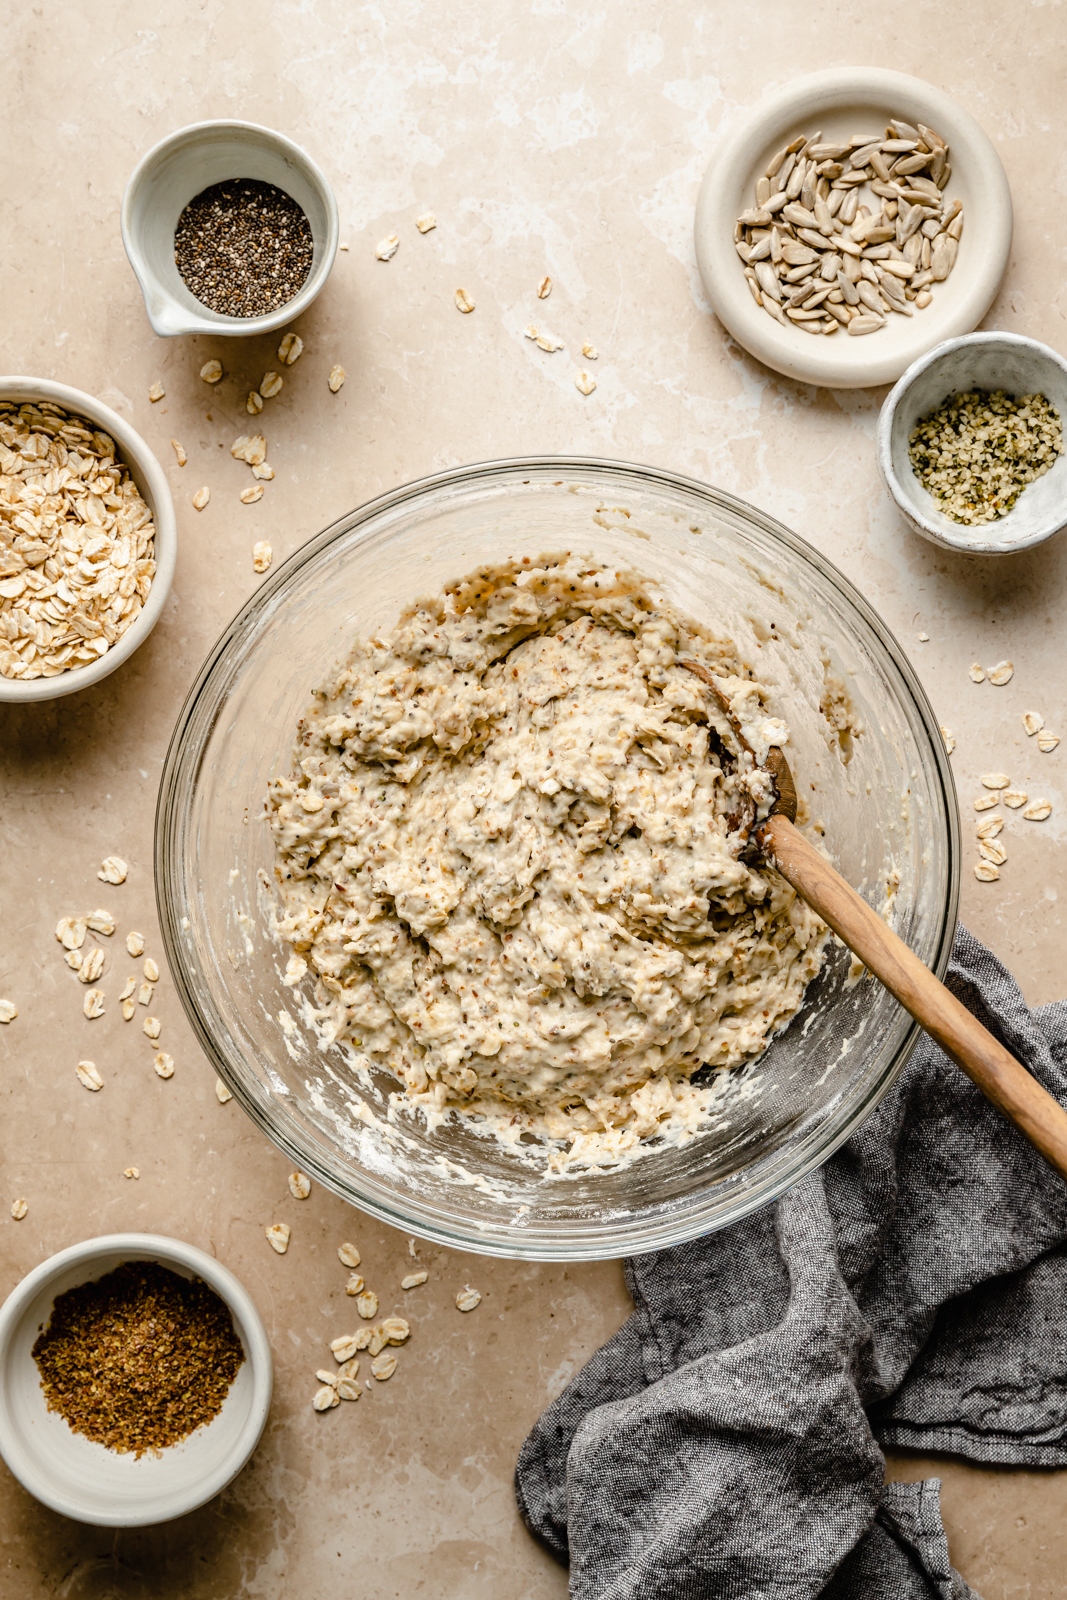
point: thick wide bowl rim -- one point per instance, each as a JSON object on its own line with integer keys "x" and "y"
{"x": 161, "y": 504}
{"x": 880, "y": 358}
{"x": 156, "y": 1247}
{"x": 605, "y": 1244}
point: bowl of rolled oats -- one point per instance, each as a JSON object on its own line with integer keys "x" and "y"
{"x": 88, "y": 540}
{"x": 851, "y": 221}
{"x": 970, "y": 444}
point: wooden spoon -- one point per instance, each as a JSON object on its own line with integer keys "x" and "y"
{"x": 1003, "y": 1080}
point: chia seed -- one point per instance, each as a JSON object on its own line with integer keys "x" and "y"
{"x": 243, "y": 247}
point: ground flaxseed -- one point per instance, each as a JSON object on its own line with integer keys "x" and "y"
{"x": 243, "y": 247}
{"x": 978, "y": 451}
{"x": 138, "y": 1359}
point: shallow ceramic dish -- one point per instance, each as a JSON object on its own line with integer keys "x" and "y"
{"x": 840, "y": 102}
{"x": 179, "y": 168}
{"x": 891, "y": 807}
{"x": 980, "y": 361}
{"x": 84, "y": 1480}
{"x": 149, "y": 477}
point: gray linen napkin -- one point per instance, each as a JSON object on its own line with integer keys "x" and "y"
{"x": 725, "y": 1444}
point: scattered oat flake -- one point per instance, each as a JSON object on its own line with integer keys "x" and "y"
{"x": 464, "y": 302}
{"x": 151, "y": 970}
{"x": 348, "y": 1389}
{"x": 163, "y": 1064}
{"x": 262, "y": 555}
{"x": 70, "y": 931}
{"x": 299, "y": 1185}
{"x": 995, "y": 780}
{"x": 93, "y": 1004}
{"x": 325, "y": 1398}
{"x": 413, "y": 1280}
{"x": 179, "y": 452}
{"x": 383, "y": 1366}
{"x": 156, "y": 392}
{"x": 1047, "y": 741}
{"x": 989, "y": 827}
{"x": 201, "y": 498}
{"x": 290, "y": 349}
{"x": 327, "y": 1377}
{"x": 355, "y": 1284}
{"x": 19, "y": 1209}
{"x": 250, "y": 496}
{"x": 992, "y": 850}
{"x": 544, "y": 288}
{"x": 211, "y": 371}
{"x": 348, "y": 1255}
{"x": 1015, "y": 798}
{"x": 263, "y": 470}
{"x": 271, "y": 385}
{"x": 394, "y": 1330}
{"x": 345, "y": 1346}
{"x": 584, "y": 382}
{"x": 549, "y": 342}
{"x": 948, "y": 740}
{"x": 367, "y": 1305}
{"x": 589, "y": 351}
{"x": 467, "y": 1299}
{"x": 336, "y": 378}
{"x": 986, "y": 872}
{"x": 985, "y": 802}
{"x": 426, "y": 223}
{"x": 278, "y": 1236}
{"x": 92, "y": 966}
{"x": 135, "y": 943}
{"x": 131, "y": 1172}
{"x": 8, "y": 1010}
{"x": 145, "y": 993}
{"x": 977, "y": 673}
{"x": 250, "y": 447}
{"x": 88, "y": 1075}
{"x": 254, "y": 403}
{"x": 101, "y": 922}
{"x": 1039, "y": 811}
{"x": 530, "y": 331}
{"x": 222, "y": 1094}
{"x": 1033, "y": 722}
{"x": 128, "y": 1009}
{"x": 73, "y": 958}
{"x": 113, "y": 870}
{"x": 387, "y": 247}
{"x": 923, "y": 638}
{"x": 412, "y": 1252}
{"x": 1001, "y": 673}
{"x": 151, "y": 1027}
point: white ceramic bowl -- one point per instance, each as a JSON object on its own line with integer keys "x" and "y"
{"x": 180, "y": 167}
{"x": 840, "y": 102}
{"x": 148, "y": 475}
{"x": 82, "y": 1479}
{"x": 980, "y": 361}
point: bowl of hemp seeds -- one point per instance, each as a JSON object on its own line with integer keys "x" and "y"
{"x": 970, "y": 444}
{"x": 230, "y": 228}
{"x": 135, "y": 1380}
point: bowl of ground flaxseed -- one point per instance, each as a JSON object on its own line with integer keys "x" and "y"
{"x": 230, "y": 228}
{"x": 135, "y": 1380}
{"x": 970, "y": 443}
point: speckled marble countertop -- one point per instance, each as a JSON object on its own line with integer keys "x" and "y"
{"x": 548, "y": 137}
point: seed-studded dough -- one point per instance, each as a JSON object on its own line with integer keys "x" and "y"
{"x": 508, "y": 849}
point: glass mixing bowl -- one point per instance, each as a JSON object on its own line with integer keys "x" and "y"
{"x": 865, "y": 751}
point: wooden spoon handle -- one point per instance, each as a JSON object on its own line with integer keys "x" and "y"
{"x": 1002, "y": 1079}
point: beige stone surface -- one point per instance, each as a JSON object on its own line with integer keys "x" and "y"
{"x": 548, "y": 137}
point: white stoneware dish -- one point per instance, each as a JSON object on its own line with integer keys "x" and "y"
{"x": 82, "y": 1479}
{"x": 149, "y": 477}
{"x": 179, "y": 168}
{"x": 843, "y": 101}
{"x": 980, "y": 361}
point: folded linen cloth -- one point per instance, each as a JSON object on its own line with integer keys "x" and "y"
{"x": 725, "y": 1443}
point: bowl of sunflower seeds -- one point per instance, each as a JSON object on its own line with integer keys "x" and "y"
{"x": 88, "y": 540}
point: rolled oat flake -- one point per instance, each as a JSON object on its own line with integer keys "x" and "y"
{"x": 243, "y": 247}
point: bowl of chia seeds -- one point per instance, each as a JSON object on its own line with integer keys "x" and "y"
{"x": 135, "y": 1380}
{"x": 230, "y": 228}
{"x": 970, "y": 443}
